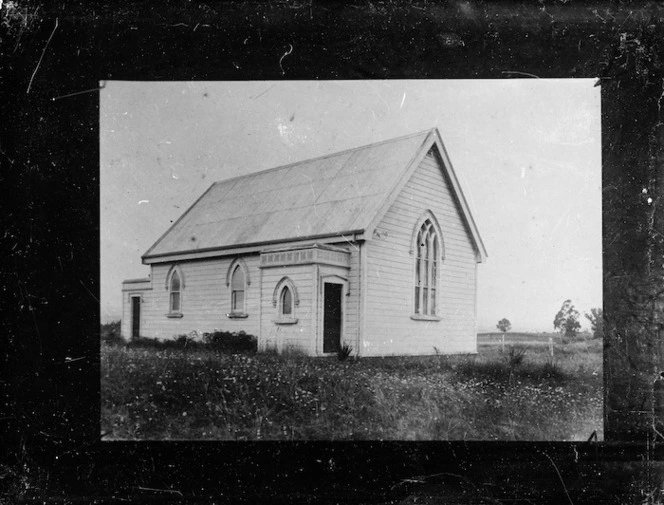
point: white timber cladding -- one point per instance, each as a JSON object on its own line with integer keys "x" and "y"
{"x": 205, "y": 300}
{"x": 390, "y": 329}
{"x": 291, "y": 335}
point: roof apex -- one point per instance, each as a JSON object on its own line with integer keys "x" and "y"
{"x": 328, "y": 155}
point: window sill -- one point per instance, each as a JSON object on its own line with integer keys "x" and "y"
{"x": 173, "y": 315}
{"x": 289, "y": 320}
{"x": 422, "y": 317}
{"x": 237, "y": 315}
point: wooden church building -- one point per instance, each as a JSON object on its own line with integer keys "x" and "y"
{"x": 374, "y": 247}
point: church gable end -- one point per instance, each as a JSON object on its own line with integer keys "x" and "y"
{"x": 397, "y": 322}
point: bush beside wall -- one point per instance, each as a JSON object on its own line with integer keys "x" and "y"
{"x": 223, "y": 341}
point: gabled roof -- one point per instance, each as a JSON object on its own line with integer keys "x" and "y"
{"x": 339, "y": 195}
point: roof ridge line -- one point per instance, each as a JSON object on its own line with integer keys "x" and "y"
{"x": 329, "y": 155}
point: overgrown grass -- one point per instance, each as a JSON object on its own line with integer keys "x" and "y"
{"x": 195, "y": 394}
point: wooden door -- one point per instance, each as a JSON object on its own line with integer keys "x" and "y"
{"x": 332, "y": 297}
{"x": 135, "y": 317}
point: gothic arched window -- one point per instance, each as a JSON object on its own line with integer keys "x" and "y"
{"x": 286, "y": 302}
{"x": 238, "y": 287}
{"x": 174, "y": 293}
{"x": 427, "y": 257}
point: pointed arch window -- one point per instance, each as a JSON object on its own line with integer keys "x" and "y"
{"x": 237, "y": 282}
{"x": 238, "y": 287}
{"x": 175, "y": 286}
{"x": 285, "y": 299}
{"x": 427, "y": 266}
{"x": 286, "y": 302}
{"x": 175, "y": 292}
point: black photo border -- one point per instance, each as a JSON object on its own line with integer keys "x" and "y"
{"x": 55, "y": 57}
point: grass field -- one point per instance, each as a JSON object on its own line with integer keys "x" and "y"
{"x": 517, "y": 338}
{"x": 177, "y": 394}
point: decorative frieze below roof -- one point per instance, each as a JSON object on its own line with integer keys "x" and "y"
{"x": 315, "y": 253}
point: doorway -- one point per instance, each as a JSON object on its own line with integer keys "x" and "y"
{"x": 332, "y": 297}
{"x": 135, "y": 316}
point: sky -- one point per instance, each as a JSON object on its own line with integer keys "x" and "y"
{"x": 527, "y": 153}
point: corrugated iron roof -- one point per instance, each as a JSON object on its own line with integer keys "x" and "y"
{"x": 332, "y": 195}
{"x": 340, "y": 194}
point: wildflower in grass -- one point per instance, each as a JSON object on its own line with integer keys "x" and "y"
{"x": 235, "y": 392}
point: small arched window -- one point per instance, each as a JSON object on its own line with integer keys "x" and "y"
{"x": 174, "y": 292}
{"x": 238, "y": 287}
{"x": 426, "y": 269}
{"x": 286, "y": 302}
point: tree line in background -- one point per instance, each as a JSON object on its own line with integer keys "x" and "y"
{"x": 596, "y": 318}
{"x": 567, "y": 321}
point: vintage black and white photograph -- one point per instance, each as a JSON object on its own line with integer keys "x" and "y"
{"x": 351, "y": 260}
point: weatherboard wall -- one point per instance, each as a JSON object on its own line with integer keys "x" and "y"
{"x": 389, "y": 328}
{"x": 205, "y": 300}
{"x": 275, "y": 335}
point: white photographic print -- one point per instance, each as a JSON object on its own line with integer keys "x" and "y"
{"x": 343, "y": 260}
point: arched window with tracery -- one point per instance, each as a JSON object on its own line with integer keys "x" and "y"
{"x": 427, "y": 258}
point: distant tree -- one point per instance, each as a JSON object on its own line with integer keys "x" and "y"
{"x": 567, "y": 320}
{"x": 596, "y": 318}
{"x": 504, "y": 325}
